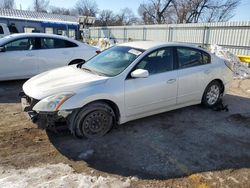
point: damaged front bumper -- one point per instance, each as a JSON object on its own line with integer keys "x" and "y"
{"x": 43, "y": 120}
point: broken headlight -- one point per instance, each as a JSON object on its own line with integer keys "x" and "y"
{"x": 52, "y": 103}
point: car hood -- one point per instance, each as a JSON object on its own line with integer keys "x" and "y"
{"x": 64, "y": 79}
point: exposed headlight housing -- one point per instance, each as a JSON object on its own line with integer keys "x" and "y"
{"x": 52, "y": 103}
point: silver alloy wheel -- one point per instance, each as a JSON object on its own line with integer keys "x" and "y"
{"x": 213, "y": 94}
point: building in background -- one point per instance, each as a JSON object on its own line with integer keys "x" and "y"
{"x": 22, "y": 21}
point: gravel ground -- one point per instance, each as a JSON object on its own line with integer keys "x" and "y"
{"x": 189, "y": 147}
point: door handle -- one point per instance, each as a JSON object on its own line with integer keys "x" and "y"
{"x": 171, "y": 81}
{"x": 30, "y": 55}
{"x": 65, "y": 53}
{"x": 207, "y": 71}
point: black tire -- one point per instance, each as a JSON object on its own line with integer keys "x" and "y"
{"x": 212, "y": 94}
{"x": 94, "y": 120}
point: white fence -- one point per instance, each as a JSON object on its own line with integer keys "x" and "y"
{"x": 232, "y": 35}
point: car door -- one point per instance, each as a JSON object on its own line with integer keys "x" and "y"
{"x": 194, "y": 74}
{"x": 19, "y": 59}
{"x": 158, "y": 90}
{"x": 53, "y": 53}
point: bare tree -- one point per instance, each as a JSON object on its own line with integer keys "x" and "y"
{"x": 126, "y": 17}
{"x": 86, "y": 8}
{"x": 154, "y": 11}
{"x": 8, "y": 4}
{"x": 41, "y": 5}
{"x": 59, "y": 10}
{"x": 188, "y": 11}
{"x": 145, "y": 16}
{"x": 193, "y": 11}
{"x": 221, "y": 11}
{"x": 106, "y": 18}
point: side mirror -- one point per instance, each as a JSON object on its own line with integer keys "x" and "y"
{"x": 2, "y": 49}
{"x": 140, "y": 73}
{"x": 79, "y": 65}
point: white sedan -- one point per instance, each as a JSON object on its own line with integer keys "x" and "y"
{"x": 124, "y": 83}
{"x": 25, "y": 55}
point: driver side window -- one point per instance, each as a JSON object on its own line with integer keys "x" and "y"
{"x": 20, "y": 45}
{"x": 158, "y": 61}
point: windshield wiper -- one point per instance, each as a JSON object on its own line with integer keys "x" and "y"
{"x": 88, "y": 70}
{"x": 92, "y": 71}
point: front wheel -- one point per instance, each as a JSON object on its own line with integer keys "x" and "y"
{"x": 94, "y": 120}
{"x": 212, "y": 94}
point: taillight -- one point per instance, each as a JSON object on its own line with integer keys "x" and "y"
{"x": 98, "y": 51}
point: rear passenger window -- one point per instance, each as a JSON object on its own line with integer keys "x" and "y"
{"x": 47, "y": 43}
{"x": 206, "y": 58}
{"x": 189, "y": 57}
{"x": 70, "y": 44}
{"x": 1, "y": 30}
{"x": 50, "y": 43}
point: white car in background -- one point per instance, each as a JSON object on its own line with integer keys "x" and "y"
{"x": 124, "y": 83}
{"x": 25, "y": 55}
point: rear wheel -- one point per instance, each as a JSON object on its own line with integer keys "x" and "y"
{"x": 94, "y": 120}
{"x": 212, "y": 94}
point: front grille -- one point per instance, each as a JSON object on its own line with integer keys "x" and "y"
{"x": 31, "y": 101}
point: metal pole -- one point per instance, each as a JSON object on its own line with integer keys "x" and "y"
{"x": 99, "y": 33}
{"x": 144, "y": 33}
{"x": 124, "y": 35}
{"x": 170, "y": 34}
{"x": 203, "y": 37}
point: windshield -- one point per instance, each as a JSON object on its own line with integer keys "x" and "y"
{"x": 5, "y": 40}
{"x": 112, "y": 61}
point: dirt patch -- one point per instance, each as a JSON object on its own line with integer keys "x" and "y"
{"x": 23, "y": 145}
{"x": 16, "y": 144}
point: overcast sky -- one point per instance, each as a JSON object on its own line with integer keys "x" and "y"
{"x": 241, "y": 14}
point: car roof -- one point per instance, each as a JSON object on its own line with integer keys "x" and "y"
{"x": 147, "y": 45}
{"x": 17, "y": 35}
{"x": 21, "y": 35}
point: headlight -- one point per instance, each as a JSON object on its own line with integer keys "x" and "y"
{"x": 52, "y": 103}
